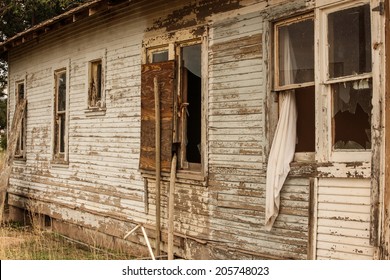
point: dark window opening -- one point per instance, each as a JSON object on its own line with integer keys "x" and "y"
{"x": 21, "y": 141}
{"x": 352, "y": 114}
{"x": 305, "y": 100}
{"x": 192, "y": 93}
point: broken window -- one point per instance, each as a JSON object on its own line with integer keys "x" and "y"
{"x": 190, "y": 106}
{"x": 95, "y": 88}
{"x": 181, "y": 77}
{"x": 60, "y": 115}
{"x": 294, "y": 74}
{"x": 21, "y": 142}
{"x": 349, "y": 39}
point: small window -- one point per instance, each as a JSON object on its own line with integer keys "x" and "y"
{"x": 95, "y": 87}
{"x": 350, "y": 66}
{"x": 20, "y": 151}
{"x": 160, "y": 56}
{"x": 60, "y": 115}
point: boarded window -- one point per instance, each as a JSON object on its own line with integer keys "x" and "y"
{"x": 20, "y": 151}
{"x": 60, "y": 120}
{"x": 165, "y": 73}
{"x": 95, "y": 88}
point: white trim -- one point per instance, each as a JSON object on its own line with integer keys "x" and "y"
{"x": 324, "y": 138}
{"x": 61, "y": 66}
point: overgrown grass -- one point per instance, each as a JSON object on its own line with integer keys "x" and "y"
{"x": 26, "y": 243}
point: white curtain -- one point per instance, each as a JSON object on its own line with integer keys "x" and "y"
{"x": 283, "y": 144}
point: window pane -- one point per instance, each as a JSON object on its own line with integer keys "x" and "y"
{"x": 349, "y": 42}
{"x": 20, "y": 91}
{"x": 305, "y": 100}
{"x": 296, "y": 52}
{"x": 62, "y": 133}
{"x": 61, "y": 91}
{"x": 352, "y": 114}
{"x": 160, "y": 56}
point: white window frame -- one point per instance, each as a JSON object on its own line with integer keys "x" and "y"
{"x": 57, "y": 158}
{"x": 323, "y": 87}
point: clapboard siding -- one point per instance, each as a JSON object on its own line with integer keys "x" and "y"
{"x": 344, "y": 219}
{"x": 102, "y": 188}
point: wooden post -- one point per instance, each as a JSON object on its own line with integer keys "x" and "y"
{"x": 385, "y": 254}
{"x": 158, "y": 163}
{"x": 171, "y": 207}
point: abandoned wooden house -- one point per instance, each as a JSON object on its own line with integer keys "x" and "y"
{"x": 262, "y": 123}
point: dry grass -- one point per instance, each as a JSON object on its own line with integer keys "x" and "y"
{"x": 26, "y": 243}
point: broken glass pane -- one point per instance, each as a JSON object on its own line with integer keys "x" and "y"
{"x": 296, "y": 52}
{"x": 349, "y": 38}
{"x": 352, "y": 114}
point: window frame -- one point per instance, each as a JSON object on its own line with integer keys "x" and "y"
{"x": 325, "y": 138}
{"x": 21, "y": 144}
{"x": 172, "y": 44}
{"x": 59, "y": 157}
{"x": 99, "y": 109}
{"x": 276, "y": 26}
{"x": 298, "y": 156}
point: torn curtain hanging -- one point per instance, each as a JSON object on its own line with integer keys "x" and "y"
{"x": 283, "y": 144}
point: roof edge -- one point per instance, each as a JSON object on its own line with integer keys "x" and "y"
{"x": 79, "y": 13}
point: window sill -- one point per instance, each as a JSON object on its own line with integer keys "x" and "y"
{"x": 20, "y": 160}
{"x": 59, "y": 163}
{"x": 95, "y": 112}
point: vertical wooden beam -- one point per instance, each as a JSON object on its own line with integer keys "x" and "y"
{"x": 171, "y": 207}
{"x": 385, "y": 254}
{"x": 158, "y": 163}
{"x": 312, "y": 220}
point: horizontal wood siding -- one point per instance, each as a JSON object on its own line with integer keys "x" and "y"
{"x": 237, "y": 141}
{"x": 344, "y": 219}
